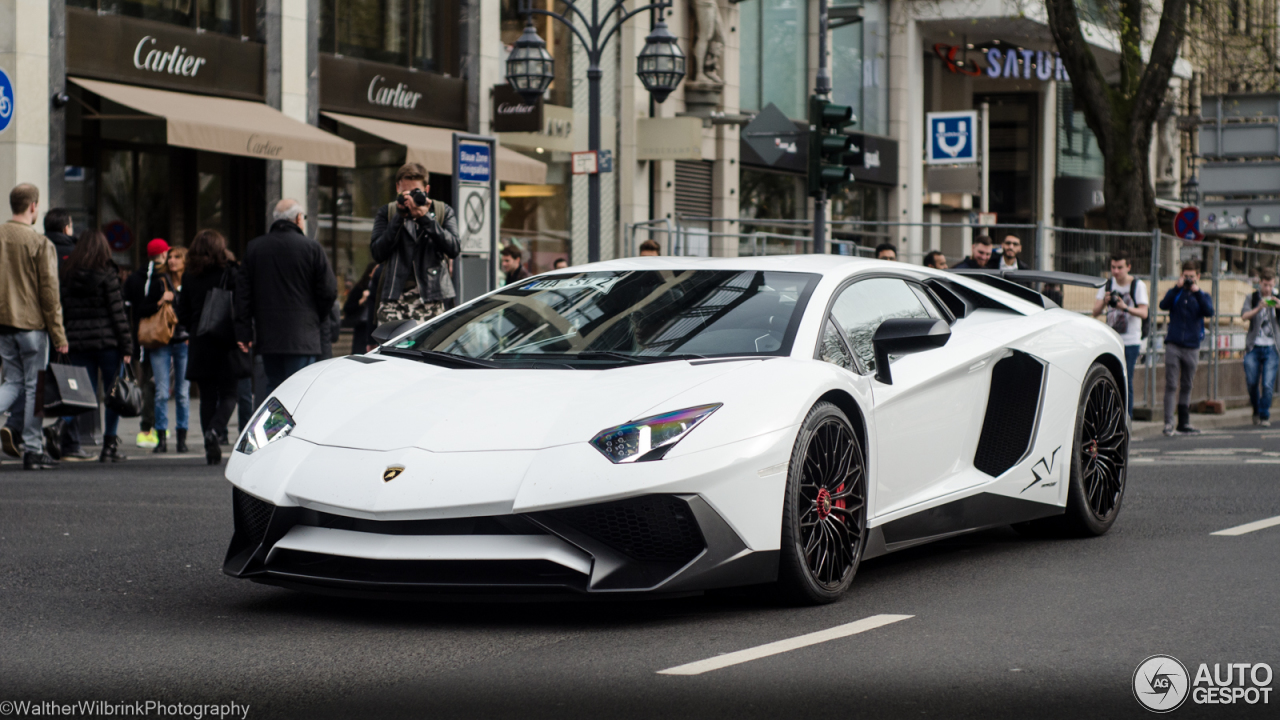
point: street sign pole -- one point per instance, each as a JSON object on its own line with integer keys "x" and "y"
{"x": 822, "y": 89}
{"x": 985, "y": 205}
{"x": 475, "y": 200}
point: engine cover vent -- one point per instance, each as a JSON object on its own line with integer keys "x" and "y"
{"x": 1012, "y": 407}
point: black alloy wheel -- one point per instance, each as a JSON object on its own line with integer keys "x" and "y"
{"x": 824, "y": 517}
{"x": 1099, "y": 462}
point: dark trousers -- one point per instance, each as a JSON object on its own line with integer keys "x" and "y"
{"x": 244, "y": 404}
{"x": 217, "y": 401}
{"x": 148, "y": 384}
{"x": 280, "y": 367}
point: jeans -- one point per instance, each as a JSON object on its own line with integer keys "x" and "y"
{"x": 1262, "y": 358}
{"x": 1179, "y": 372}
{"x": 160, "y": 361}
{"x": 1131, "y": 353}
{"x": 108, "y": 362}
{"x": 280, "y": 367}
{"x": 25, "y": 354}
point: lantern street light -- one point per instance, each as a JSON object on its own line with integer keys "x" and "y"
{"x": 660, "y": 67}
{"x": 1191, "y": 191}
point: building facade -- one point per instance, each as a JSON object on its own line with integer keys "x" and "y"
{"x": 154, "y": 118}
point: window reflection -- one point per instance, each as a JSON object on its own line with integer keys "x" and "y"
{"x": 864, "y": 305}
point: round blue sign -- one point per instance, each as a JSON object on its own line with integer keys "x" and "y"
{"x": 1186, "y": 224}
{"x": 6, "y": 101}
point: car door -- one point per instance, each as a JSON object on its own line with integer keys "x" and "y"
{"x": 927, "y": 422}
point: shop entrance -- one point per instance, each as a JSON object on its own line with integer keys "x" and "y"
{"x": 1013, "y": 128}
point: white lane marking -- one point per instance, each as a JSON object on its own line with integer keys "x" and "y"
{"x": 1263, "y": 461}
{"x": 1250, "y": 527}
{"x": 1142, "y": 460}
{"x": 781, "y": 646}
{"x": 1214, "y": 451}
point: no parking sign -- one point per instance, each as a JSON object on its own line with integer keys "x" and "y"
{"x": 1186, "y": 224}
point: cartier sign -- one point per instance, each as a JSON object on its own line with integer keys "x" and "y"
{"x": 513, "y": 113}
{"x": 143, "y": 52}
{"x": 390, "y": 92}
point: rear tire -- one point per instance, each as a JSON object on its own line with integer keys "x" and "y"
{"x": 824, "y": 511}
{"x": 1099, "y": 462}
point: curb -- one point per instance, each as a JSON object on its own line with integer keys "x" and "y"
{"x": 1235, "y": 417}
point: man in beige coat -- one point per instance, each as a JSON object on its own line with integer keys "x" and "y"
{"x": 30, "y": 313}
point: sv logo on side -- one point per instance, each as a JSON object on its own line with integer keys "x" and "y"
{"x": 1048, "y": 470}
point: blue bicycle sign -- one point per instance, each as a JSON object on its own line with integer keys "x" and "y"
{"x": 6, "y": 101}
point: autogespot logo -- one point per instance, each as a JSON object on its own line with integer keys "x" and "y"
{"x": 1160, "y": 683}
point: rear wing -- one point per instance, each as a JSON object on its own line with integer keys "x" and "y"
{"x": 1017, "y": 282}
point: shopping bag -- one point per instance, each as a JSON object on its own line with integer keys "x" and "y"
{"x": 124, "y": 397}
{"x": 65, "y": 390}
{"x": 217, "y": 318}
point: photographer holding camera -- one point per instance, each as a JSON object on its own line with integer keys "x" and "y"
{"x": 1260, "y": 357}
{"x": 414, "y": 237}
{"x": 1125, "y": 300}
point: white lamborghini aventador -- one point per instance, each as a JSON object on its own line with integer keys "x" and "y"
{"x": 668, "y": 425}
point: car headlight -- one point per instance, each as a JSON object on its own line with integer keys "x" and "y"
{"x": 652, "y": 437}
{"x": 271, "y": 423}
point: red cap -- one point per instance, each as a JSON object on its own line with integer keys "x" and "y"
{"x": 157, "y": 247}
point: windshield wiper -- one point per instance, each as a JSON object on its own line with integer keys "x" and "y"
{"x": 435, "y": 357}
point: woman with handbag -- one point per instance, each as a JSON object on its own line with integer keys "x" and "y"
{"x": 206, "y": 307}
{"x": 169, "y": 360}
{"x": 97, "y": 328}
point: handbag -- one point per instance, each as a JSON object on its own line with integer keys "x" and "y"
{"x": 156, "y": 331}
{"x": 217, "y": 318}
{"x": 65, "y": 390}
{"x": 124, "y": 398}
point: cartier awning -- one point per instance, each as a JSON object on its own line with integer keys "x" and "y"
{"x": 234, "y": 127}
{"x": 433, "y": 147}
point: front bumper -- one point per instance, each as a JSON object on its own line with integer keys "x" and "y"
{"x": 660, "y": 543}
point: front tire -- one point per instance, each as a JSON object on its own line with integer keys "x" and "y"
{"x": 824, "y": 511}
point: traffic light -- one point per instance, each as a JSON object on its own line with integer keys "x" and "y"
{"x": 827, "y": 145}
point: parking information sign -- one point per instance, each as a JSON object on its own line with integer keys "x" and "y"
{"x": 475, "y": 163}
{"x": 952, "y": 137}
{"x": 6, "y": 101}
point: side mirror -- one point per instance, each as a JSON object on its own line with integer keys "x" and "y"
{"x": 900, "y": 336}
{"x": 388, "y": 330}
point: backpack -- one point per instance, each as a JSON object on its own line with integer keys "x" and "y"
{"x": 1146, "y": 321}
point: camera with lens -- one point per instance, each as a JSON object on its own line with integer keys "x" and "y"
{"x": 1115, "y": 299}
{"x": 418, "y": 197}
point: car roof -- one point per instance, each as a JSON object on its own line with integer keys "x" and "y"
{"x": 837, "y": 265}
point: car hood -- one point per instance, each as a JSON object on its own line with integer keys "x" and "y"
{"x": 394, "y": 403}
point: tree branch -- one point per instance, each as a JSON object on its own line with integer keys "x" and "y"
{"x": 1086, "y": 76}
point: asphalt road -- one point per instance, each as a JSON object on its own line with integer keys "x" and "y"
{"x": 111, "y": 589}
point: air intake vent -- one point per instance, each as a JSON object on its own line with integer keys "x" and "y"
{"x": 1011, "y": 413}
{"x": 655, "y": 528}
{"x": 251, "y": 515}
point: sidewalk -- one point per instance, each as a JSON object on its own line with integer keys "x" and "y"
{"x": 1235, "y": 417}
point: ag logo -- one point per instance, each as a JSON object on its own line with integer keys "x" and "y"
{"x": 392, "y": 472}
{"x": 1160, "y": 683}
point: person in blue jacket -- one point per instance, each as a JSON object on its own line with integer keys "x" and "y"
{"x": 1187, "y": 306}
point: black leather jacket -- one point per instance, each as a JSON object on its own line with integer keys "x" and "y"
{"x": 417, "y": 250}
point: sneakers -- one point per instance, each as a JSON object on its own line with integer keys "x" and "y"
{"x": 1256, "y": 419}
{"x": 1169, "y": 431}
{"x": 10, "y": 443}
{"x": 1265, "y": 422}
{"x": 147, "y": 439}
{"x": 1188, "y": 430}
{"x": 38, "y": 461}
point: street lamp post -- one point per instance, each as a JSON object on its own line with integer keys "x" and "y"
{"x": 660, "y": 67}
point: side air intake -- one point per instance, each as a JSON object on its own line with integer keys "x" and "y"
{"x": 1012, "y": 406}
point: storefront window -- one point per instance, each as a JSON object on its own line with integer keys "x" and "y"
{"x": 1078, "y": 153}
{"x": 227, "y": 17}
{"x": 408, "y": 33}
{"x": 859, "y": 67}
{"x": 773, "y": 55}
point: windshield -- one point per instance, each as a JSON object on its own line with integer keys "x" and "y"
{"x": 626, "y": 317}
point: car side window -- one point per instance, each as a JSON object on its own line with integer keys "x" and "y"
{"x": 861, "y": 307}
{"x": 832, "y": 348}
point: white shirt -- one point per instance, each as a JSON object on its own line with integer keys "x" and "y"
{"x": 1004, "y": 262}
{"x": 1133, "y": 325}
